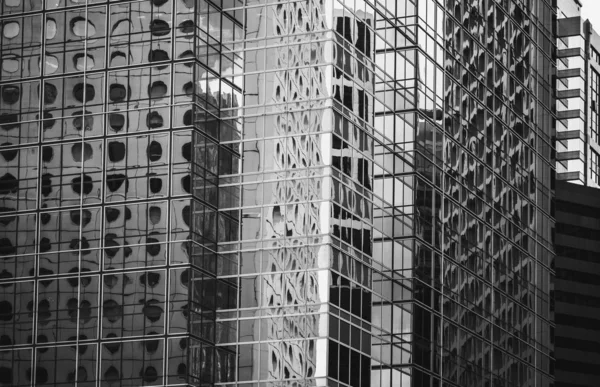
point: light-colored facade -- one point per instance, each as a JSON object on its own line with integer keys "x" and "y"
{"x": 578, "y": 97}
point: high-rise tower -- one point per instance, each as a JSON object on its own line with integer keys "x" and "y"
{"x": 578, "y": 97}
{"x": 276, "y": 192}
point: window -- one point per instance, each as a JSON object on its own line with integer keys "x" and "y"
{"x": 594, "y": 166}
{"x": 595, "y": 55}
{"x": 594, "y": 105}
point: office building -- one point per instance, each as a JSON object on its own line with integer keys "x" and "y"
{"x": 578, "y": 97}
{"x": 269, "y": 193}
{"x": 577, "y": 207}
{"x": 576, "y": 289}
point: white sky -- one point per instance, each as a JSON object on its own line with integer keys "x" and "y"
{"x": 591, "y": 10}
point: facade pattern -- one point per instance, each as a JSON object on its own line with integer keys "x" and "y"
{"x": 296, "y": 211}
{"x": 578, "y": 97}
{"x": 282, "y": 192}
{"x": 577, "y": 272}
{"x": 521, "y": 127}
{"x": 98, "y": 236}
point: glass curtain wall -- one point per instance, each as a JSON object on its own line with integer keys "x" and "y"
{"x": 276, "y": 192}
{"x": 111, "y": 118}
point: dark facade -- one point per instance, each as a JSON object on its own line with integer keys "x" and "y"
{"x": 269, "y": 193}
{"x": 576, "y": 290}
{"x": 494, "y": 191}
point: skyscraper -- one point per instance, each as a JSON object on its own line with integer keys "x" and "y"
{"x": 577, "y": 276}
{"x": 578, "y": 150}
{"x": 578, "y": 97}
{"x": 269, "y": 193}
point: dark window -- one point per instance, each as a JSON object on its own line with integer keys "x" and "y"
{"x": 594, "y": 167}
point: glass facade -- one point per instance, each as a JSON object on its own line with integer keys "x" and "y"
{"x": 268, "y": 193}
{"x": 107, "y": 261}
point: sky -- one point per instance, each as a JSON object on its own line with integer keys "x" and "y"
{"x": 591, "y": 10}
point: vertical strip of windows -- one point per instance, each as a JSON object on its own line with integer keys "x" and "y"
{"x": 594, "y": 101}
{"x": 594, "y": 167}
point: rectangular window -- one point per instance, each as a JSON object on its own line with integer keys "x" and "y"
{"x": 595, "y": 55}
{"x": 595, "y": 106}
{"x": 594, "y": 167}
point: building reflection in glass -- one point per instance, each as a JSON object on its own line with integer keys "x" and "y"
{"x": 305, "y": 193}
